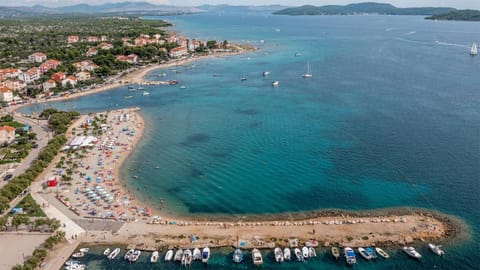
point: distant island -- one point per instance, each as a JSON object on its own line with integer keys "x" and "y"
{"x": 362, "y": 8}
{"x": 458, "y": 15}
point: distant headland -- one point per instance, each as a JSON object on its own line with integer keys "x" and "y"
{"x": 436, "y": 13}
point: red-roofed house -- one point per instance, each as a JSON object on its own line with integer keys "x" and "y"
{"x": 85, "y": 65}
{"x": 30, "y": 75}
{"x": 72, "y": 39}
{"x": 6, "y": 73}
{"x": 7, "y": 134}
{"x": 131, "y": 58}
{"x": 49, "y": 64}
{"x": 105, "y": 46}
{"x": 58, "y": 76}
{"x": 177, "y": 52}
{"x": 37, "y": 57}
{"x": 70, "y": 79}
{"x": 49, "y": 85}
{"x": 83, "y": 75}
{"x": 6, "y": 94}
{"x": 91, "y": 52}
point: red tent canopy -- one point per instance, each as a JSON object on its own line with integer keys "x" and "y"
{"x": 52, "y": 182}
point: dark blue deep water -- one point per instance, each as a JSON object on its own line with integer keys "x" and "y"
{"x": 390, "y": 118}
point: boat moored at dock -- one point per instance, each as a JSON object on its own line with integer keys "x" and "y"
{"x": 169, "y": 255}
{"x": 278, "y": 255}
{"x": 287, "y": 255}
{"x": 257, "y": 257}
{"x": 349, "y": 256}
{"x": 382, "y": 253}
{"x": 436, "y": 249}
{"x": 154, "y": 257}
{"x": 335, "y": 253}
{"x": 237, "y": 256}
{"x": 205, "y": 254}
{"x": 412, "y": 252}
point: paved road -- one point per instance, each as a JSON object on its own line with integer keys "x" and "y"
{"x": 40, "y": 127}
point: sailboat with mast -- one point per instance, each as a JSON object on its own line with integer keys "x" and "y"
{"x": 473, "y": 50}
{"x": 309, "y": 73}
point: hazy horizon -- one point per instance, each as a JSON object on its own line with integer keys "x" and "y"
{"x": 460, "y": 4}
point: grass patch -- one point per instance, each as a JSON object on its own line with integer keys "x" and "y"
{"x": 30, "y": 207}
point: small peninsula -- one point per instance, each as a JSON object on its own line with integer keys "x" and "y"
{"x": 362, "y": 8}
{"x": 458, "y": 15}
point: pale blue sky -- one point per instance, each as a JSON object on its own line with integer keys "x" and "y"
{"x": 472, "y": 4}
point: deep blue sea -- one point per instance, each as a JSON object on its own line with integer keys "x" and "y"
{"x": 391, "y": 117}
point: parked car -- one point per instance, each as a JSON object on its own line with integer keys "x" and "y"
{"x": 7, "y": 177}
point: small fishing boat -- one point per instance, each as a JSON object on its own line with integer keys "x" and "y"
{"x": 257, "y": 257}
{"x": 364, "y": 253}
{"x": 412, "y": 252}
{"x": 382, "y": 253}
{"x": 297, "y": 54}
{"x": 275, "y": 83}
{"x": 243, "y": 79}
{"x": 436, "y": 249}
{"x": 474, "y": 50}
{"x": 145, "y": 93}
{"x": 106, "y": 252}
{"x": 335, "y": 253}
{"x": 128, "y": 97}
{"x": 287, "y": 254}
{"x": 78, "y": 255}
{"x": 311, "y": 252}
{"x": 197, "y": 254}
{"x": 298, "y": 254}
{"x": 237, "y": 256}
{"x": 75, "y": 267}
{"x": 178, "y": 255}
{"x": 266, "y": 73}
{"x": 129, "y": 254}
{"x": 84, "y": 250}
{"x": 154, "y": 257}
{"x": 311, "y": 243}
{"x": 349, "y": 256}
{"x": 114, "y": 254}
{"x": 309, "y": 73}
{"x": 186, "y": 257}
{"x": 168, "y": 255}
{"x": 305, "y": 252}
{"x": 136, "y": 254}
{"x": 71, "y": 262}
{"x": 371, "y": 252}
{"x": 205, "y": 254}
{"x": 183, "y": 87}
{"x": 140, "y": 88}
{"x": 278, "y": 255}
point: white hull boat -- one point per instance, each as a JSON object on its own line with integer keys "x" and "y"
{"x": 129, "y": 254}
{"x": 412, "y": 252}
{"x": 168, "y": 255}
{"x": 287, "y": 254}
{"x": 349, "y": 256}
{"x": 308, "y": 74}
{"x": 71, "y": 262}
{"x": 275, "y": 83}
{"x": 205, "y": 254}
{"x": 265, "y": 73}
{"x": 84, "y": 250}
{"x": 186, "y": 257}
{"x": 178, "y": 255}
{"x": 197, "y": 254}
{"x": 114, "y": 254}
{"x": 237, "y": 256}
{"x": 382, "y": 253}
{"x": 78, "y": 255}
{"x": 106, "y": 252}
{"x": 305, "y": 252}
{"x": 436, "y": 249}
{"x": 257, "y": 257}
{"x": 311, "y": 252}
{"x": 298, "y": 254}
{"x": 278, "y": 255}
{"x": 364, "y": 254}
{"x": 154, "y": 257}
{"x": 474, "y": 50}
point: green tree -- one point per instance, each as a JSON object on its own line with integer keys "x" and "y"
{"x": 3, "y": 223}
{"x": 18, "y": 220}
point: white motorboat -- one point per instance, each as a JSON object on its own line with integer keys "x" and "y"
{"x": 71, "y": 262}
{"x": 382, "y": 253}
{"x": 106, "y": 252}
{"x": 349, "y": 255}
{"x": 237, "y": 256}
{"x": 168, "y": 255}
{"x": 257, "y": 257}
{"x": 178, "y": 255}
{"x": 436, "y": 249}
{"x": 84, "y": 250}
{"x": 129, "y": 254}
{"x": 364, "y": 253}
{"x": 183, "y": 87}
{"x": 412, "y": 252}
{"x": 474, "y": 50}
{"x": 275, "y": 83}
{"x": 309, "y": 73}
{"x": 298, "y": 254}
{"x": 186, "y": 257}
{"x": 287, "y": 254}
{"x": 154, "y": 257}
{"x": 311, "y": 252}
{"x": 205, "y": 254}
{"x": 197, "y": 254}
{"x": 136, "y": 254}
{"x": 335, "y": 253}
{"x": 75, "y": 267}
{"x": 113, "y": 254}
{"x": 145, "y": 93}
{"x": 278, "y": 255}
{"x": 305, "y": 252}
{"x": 78, "y": 255}
{"x": 266, "y": 73}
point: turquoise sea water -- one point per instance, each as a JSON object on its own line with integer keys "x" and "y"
{"x": 390, "y": 118}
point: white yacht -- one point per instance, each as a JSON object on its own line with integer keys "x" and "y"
{"x": 287, "y": 254}
{"x": 114, "y": 254}
{"x": 275, "y": 83}
{"x": 278, "y": 255}
{"x": 135, "y": 256}
{"x": 154, "y": 257}
{"x": 257, "y": 257}
{"x": 311, "y": 252}
{"x": 129, "y": 254}
{"x": 145, "y": 93}
{"x": 436, "y": 249}
{"x": 168, "y": 255}
{"x": 298, "y": 254}
{"x": 309, "y": 73}
{"x": 197, "y": 254}
{"x": 187, "y": 257}
{"x": 106, "y": 252}
{"x": 178, "y": 255}
{"x": 412, "y": 252}
{"x": 364, "y": 253}
{"x": 205, "y": 254}
{"x": 305, "y": 252}
{"x": 266, "y": 73}
{"x": 84, "y": 250}
{"x": 473, "y": 50}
